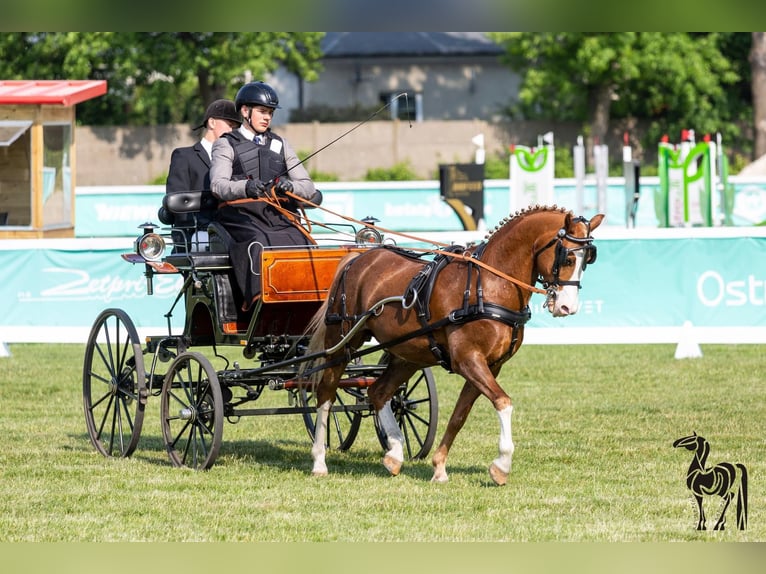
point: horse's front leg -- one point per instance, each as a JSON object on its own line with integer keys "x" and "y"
{"x": 701, "y": 511}
{"x": 483, "y": 378}
{"x": 465, "y": 401}
{"x": 501, "y": 466}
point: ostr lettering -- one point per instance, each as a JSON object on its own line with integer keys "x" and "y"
{"x": 713, "y": 290}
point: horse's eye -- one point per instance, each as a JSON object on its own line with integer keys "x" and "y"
{"x": 570, "y": 261}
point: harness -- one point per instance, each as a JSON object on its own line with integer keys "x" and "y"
{"x": 585, "y": 244}
{"x": 418, "y": 294}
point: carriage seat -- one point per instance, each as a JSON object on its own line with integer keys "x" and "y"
{"x": 188, "y": 213}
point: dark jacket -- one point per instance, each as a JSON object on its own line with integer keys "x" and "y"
{"x": 189, "y": 171}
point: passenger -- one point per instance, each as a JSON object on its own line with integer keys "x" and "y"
{"x": 248, "y": 165}
{"x": 190, "y": 166}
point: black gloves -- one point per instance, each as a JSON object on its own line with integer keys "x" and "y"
{"x": 255, "y": 188}
{"x": 284, "y": 185}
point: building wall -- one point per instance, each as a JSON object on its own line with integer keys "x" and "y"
{"x": 141, "y": 155}
{"x": 458, "y": 88}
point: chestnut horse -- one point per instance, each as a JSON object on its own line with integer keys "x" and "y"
{"x": 472, "y": 322}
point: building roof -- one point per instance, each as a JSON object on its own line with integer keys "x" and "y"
{"x": 54, "y": 92}
{"x": 407, "y": 44}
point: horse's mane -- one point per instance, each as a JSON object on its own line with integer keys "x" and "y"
{"x": 520, "y": 214}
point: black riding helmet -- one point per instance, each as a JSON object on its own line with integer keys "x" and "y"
{"x": 256, "y": 94}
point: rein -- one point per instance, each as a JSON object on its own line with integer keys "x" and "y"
{"x": 465, "y": 256}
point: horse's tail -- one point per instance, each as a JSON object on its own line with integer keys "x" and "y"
{"x": 317, "y": 325}
{"x": 742, "y": 498}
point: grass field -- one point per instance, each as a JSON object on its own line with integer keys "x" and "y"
{"x": 593, "y": 427}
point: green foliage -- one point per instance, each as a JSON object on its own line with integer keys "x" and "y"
{"x": 159, "y": 180}
{"x": 157, "y": 77}
{"x": 563, "y": 165}
{"x": 318, "y": 176}
{"x": 401, "y": 171}
{"x": 673, "y": 80}
{"x": 496, "y": 166}
{"x": 737, "y": 163}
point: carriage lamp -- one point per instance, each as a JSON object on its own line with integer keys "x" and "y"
{"x": 151, "y": 247}
{"x": 369, "y": 234}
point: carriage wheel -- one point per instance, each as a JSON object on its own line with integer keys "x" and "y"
{"x": 343, "y": 425}
{"x": 417, "y": 412}
{"x": 114, "y": 384}
{"x": 192, "y": 412}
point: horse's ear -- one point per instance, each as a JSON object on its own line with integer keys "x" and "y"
{"x": 596, "y": 221}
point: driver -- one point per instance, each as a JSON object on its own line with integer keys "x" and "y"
{"x": 248, "y": 165}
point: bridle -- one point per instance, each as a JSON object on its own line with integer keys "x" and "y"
{"x": 585, "y": 250}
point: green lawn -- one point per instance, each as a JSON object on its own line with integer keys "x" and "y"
{"x": 593, "y": 427}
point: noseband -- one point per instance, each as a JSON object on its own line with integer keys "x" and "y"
{"x": 585, "y": 244}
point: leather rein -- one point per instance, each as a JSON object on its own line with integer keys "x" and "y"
{"x": 464, "y": 256}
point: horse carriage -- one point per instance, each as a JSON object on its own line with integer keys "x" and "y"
{"x": 462, "y": 308}
{"x": 121, "y": 372}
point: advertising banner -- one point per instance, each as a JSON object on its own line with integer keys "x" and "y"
{"x": 65, "y": 284}
{"x": 663, "y": 282}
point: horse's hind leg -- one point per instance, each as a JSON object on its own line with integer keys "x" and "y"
{"x": 721, "y": 523}
{"x": 325, "y": 394}
{"x": 467, "y": 398}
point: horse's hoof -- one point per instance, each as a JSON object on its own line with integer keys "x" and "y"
{"x": 319, "y": 471}
{"x": 440, "y": 479}
{"x": 393, "y": 466}
{"x": 498, "y": 476}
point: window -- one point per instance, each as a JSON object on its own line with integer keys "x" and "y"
{"x": 57, "y": 178}
{"x": 11, "y": 130}
{"x": 15, "y": 173}
{"x": 404, "y": 105}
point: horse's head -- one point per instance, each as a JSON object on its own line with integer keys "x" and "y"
{"x": 560, "y": 261}
{"x": 691, "y": 442}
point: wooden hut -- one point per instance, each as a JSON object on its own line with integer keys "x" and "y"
{"x": 37, "y": 155}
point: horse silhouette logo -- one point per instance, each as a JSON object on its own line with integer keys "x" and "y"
{"x": 724, "y": 479}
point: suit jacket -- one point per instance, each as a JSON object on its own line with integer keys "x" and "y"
{"x": 189, "y": 171}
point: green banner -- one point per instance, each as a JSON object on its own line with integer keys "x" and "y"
{"x": 712, "y": 281}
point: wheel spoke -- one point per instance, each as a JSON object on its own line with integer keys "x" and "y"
{"x": 192, "y": 433}
{"x": 113, "y": 361}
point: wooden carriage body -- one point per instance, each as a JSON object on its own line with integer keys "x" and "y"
{"x": 295, "y": 281}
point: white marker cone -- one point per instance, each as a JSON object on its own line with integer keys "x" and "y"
{"x": 687, "y": 348}
{"x": 4, "y": 350}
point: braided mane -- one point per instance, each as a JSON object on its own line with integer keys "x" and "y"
{"x": 523, "y": 213}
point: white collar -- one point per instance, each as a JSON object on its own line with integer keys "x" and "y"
{"x": 247, "y": 133}
{"x": 208, "y": 145}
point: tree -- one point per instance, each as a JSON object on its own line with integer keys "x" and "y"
{"x": 157, "y": 77}
{"x": 674, "y": 80}
{"x": 758, "y": 70}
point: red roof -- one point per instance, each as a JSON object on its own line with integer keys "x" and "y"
{"x": 56, "y": 92}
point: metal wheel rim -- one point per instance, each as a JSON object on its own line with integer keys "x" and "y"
{"x": 114, "y": 384}
{"x": 192, "y": 412}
